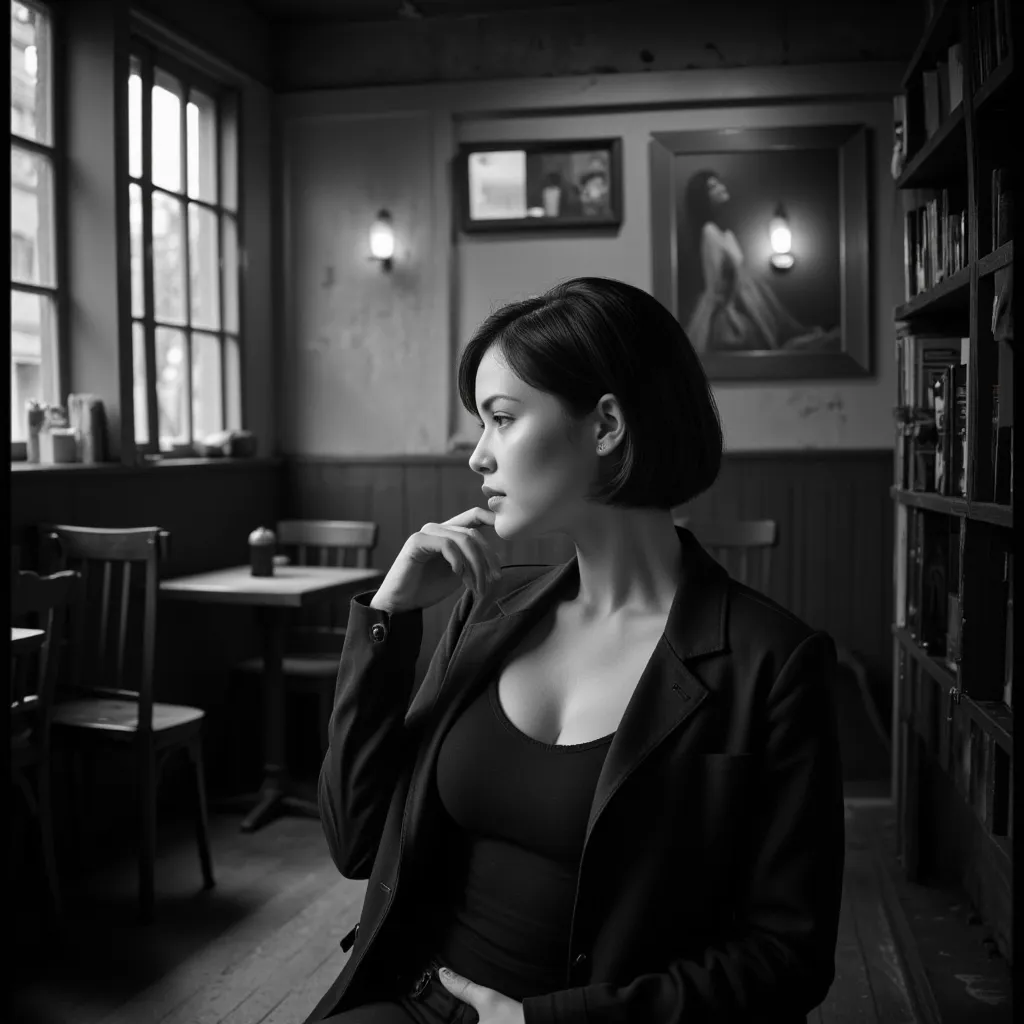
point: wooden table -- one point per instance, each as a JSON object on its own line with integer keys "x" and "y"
{"x": 291, "y": 586}
{"x": 25, "y": 640}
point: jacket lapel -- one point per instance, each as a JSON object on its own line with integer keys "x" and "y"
{"x": 666, "y": 695}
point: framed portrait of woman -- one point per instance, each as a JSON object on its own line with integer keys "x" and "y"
{"x": 760, "y": 248}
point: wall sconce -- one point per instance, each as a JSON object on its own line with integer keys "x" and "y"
{"x": 781, "y": 239}
{"x": 382, "y": 240}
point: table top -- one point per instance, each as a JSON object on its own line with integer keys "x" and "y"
{"x": 26, "y": 639}
{"x": 291, "y": 586}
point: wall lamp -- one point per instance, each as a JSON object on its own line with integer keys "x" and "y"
{"x": 782, "y": 240}
{"x": 382, "y": 240}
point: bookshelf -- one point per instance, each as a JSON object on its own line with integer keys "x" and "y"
{"x": 953, "y": 488}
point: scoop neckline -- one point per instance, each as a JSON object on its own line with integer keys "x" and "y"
{"x": 516, "y": 731}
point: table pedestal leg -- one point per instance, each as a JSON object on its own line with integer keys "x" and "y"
{"x": 272, "y": 793}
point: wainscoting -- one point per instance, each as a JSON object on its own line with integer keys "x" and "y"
{"x": 833, "y": 566}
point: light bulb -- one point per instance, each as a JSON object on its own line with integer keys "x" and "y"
{"x": 382, "y": 238}
{"x": 781, "y": 238}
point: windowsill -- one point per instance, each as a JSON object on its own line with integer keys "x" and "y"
{"x": 105, "y": 468}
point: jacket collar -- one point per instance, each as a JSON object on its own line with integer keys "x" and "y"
{"x": 696, "y": 619}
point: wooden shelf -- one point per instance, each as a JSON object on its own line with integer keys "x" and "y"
{"x": 993, "y": 261}
{"x": 931, "y": 501}
{"x": 979, "y": 511}
{"x": 995, "y": 88}
{"x": 943, "y": 158}
{"x": 934, "y": 666}
{"x": 989, "y": 512}
{"x": 953, "y": 294}
{"x": 992, "y": 715}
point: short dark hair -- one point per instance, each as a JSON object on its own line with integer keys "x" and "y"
{"x": 592, "y": 336}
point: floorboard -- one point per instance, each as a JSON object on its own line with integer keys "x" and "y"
{"x": 262, "y": 946}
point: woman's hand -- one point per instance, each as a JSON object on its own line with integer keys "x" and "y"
{"x": 491, "y": 1007}
{"x": 436, "y": 559}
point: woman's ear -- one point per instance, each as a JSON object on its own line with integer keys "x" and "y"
{"x": 610, "y": 425}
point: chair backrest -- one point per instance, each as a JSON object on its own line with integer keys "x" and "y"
{"x": 327, "y": 541}
{"x": 743, "y": 546}
{"x": 341, "y": 542}
{"x": 114, "y": 641}
{"x": 39, "y": 602}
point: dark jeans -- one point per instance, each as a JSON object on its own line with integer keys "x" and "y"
{"x": 426, "y": 1002}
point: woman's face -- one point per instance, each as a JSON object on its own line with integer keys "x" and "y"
{"x": 531, "y": 451}
{"x": 717, "y": 192}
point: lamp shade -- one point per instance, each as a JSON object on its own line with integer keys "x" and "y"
{"x": 781, "y": 238}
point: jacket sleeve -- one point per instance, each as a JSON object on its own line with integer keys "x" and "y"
{"x": 373, "y": 728}
{"x": 779, "y": 963}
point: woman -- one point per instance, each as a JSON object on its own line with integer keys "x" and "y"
{"x": 616, "y": 795}
{"x": 737, "y": 309}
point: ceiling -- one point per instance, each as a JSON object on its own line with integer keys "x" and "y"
{"x": 388, "y": 10}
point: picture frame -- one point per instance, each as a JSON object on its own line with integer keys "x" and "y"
{"x": 754, "y": 321}
{"x": 541, "y": 185}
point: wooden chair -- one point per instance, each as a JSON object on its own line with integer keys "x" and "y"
{"x": 317, "y": 636}
{"x": 110, "y": 703}
{"x": 41, "y": 602}
{"x": 743, "y": 546}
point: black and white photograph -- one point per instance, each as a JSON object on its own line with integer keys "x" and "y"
{"x": 511, "y": 512}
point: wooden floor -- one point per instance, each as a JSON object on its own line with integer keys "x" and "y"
{"x": 262, "y": 947}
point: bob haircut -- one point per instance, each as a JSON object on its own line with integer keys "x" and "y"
{"x": 592, "y": 336}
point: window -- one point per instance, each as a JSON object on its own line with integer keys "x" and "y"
{"x": 182, "y": 161}
{"x": 34, "y": 265}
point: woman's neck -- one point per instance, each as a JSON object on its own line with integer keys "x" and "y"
{"x": 630, "y": 563}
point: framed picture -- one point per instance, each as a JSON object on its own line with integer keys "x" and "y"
{"x": 760, "y": 248}
{"x": 513, "y": 186}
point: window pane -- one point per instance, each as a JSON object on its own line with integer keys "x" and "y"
{"x": 201, "y": 116}
{"x": 135, "y": 220}
{"x": 207, "y": 410}
{"x": 168, "y": 266}
{"x": 166, "y": 131}
{"x": 229, "y": 150}
{"x": 171, "y": 387}
{"x": 204, "y": 267}
{"x": 141, "y": 400}
{"x": 33, "y": 354}
{"x": 135, "y": 119}
{"x": 229, "y": 252}
{"x": 32, "y": 218}
{"x": 233, "y": 384}
{"x": 31, "y": 74}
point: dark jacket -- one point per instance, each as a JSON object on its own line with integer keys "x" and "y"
{"x": 710, "y": 881}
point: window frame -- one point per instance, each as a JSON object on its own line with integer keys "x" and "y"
{"x": 227, "y": 97}
{"x": 56, "y": 383}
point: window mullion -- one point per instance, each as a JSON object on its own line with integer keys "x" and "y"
{"x": 149, "y": 321}
{"x": 218, "y": 193}
{"x": 186, "y": 256}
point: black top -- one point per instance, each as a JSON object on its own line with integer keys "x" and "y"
{"x": 518, "y": 811}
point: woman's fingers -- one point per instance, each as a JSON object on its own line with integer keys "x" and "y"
{"x": 474, "y": 562}
{"x": 493, "y": 562}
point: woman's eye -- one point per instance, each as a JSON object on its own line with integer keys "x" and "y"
{"x": 500, "y": 419}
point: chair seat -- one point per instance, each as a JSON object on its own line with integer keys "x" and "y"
{"x": 301, "y": 666}
{"x": 108, "y": 715}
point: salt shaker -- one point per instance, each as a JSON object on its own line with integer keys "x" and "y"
{"x": 261, "y": 551}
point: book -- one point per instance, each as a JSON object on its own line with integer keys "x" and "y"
{"x": 1002, "y": 427}
{"x": 899, "y": 134}
{"x": 1008, "y": 650}
{"x": 910, "y": 254}
{"x": 932, "y": 112}
{"x": 955, "y": 65}
{"x": 1002, "y": 207}
{"x": 942, "y": 421}
{"x": 934, "y": 589}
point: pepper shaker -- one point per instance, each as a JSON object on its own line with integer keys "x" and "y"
{"x": 262, "y": 543}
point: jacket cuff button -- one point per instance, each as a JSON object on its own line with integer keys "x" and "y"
{"x": 378, "y": 632}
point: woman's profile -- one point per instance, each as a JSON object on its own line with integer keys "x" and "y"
{"x": 737, "y": 309}
{"x": 616, "y": 795}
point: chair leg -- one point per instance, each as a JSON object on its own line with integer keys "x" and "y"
{"x": 195, "y": 753}
{"x": 46, "y": 835}
{"x": 147, "y": 834}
